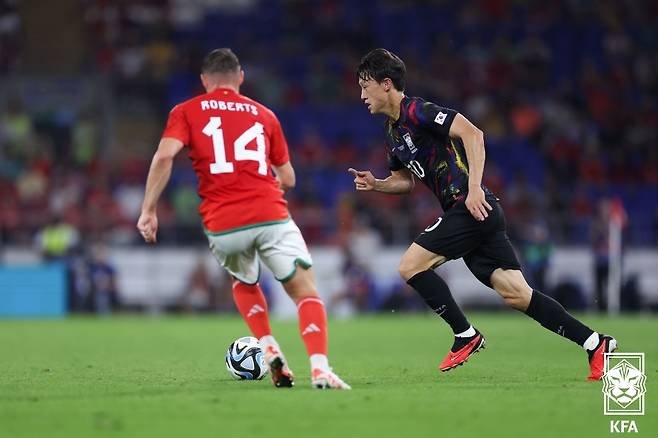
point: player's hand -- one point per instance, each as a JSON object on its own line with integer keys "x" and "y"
{"x": 476, "y": 204}
{"x": 148, "y": 226}
{"x": 363, "y": 179}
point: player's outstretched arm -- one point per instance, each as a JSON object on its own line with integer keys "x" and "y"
{"x": 156, "y": 181}
{"x": 400, "y": 182}
{"x": 473, "y": 140}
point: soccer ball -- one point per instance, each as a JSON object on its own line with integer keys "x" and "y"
{"x": 245, "y": 359}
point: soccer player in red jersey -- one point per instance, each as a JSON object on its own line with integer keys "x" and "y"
{"x": 234, "y": 143}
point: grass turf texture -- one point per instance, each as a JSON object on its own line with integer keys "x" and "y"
{"x": 165, "y": 377}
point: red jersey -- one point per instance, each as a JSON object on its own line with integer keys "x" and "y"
{"x": 232, "y": 141}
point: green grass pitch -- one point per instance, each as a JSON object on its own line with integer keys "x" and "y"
{"x": 165, "y": 377}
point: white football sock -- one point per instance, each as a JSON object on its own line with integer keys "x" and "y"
{"x": 319, "y": 361}
{"x": 591, "y": 342}
{"x": 269, "y": 341}
{"x": 467, "y": 334}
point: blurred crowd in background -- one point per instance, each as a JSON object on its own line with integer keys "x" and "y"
{"x": 565, "y": 92}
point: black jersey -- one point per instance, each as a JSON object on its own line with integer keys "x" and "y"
{"x": 419, "y": 141}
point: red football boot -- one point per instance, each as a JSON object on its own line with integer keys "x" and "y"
{"x": 282, "y": 376}
{"x": 327, "y": 379}
{"x": 456, "y": 358}
{"x": 607, "y": 344}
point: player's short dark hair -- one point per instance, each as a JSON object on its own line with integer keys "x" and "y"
{"x": 380, "y": 64}
{"x": 220, "y": 61}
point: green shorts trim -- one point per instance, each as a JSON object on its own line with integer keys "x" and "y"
{"x": 246, "y": 227}
{"x": 298, "y": 262}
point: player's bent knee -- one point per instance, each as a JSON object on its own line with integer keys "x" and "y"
{"x": 418, "y": 259}
{"x": 301, "y": 285}
{"x": 407, "y": 269}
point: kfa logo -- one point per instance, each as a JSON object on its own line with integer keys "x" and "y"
{"x": 410, "y": 144}
{"x": 624, "y": 384}
{"x": 622, "y": 426}
{"x": 624, "y": 387}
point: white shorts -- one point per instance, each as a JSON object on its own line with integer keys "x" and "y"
{"x": 280, "y": 246}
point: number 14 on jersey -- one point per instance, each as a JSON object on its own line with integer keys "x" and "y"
{"x": 240, "y": 152}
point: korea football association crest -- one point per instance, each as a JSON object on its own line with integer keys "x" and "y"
{"x": 624, "y": 384}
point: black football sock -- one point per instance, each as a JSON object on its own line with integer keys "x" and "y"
{"x": 436, "y": 294}
{"x": 551, "y": 315}
{"x": 461, "y": 342}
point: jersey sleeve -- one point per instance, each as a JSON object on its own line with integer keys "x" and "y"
{"x": 394, "y": 162}
{"x": 278, "y": 145}
{"x": 435, "y": 118}
{"x": 177, "y": 126}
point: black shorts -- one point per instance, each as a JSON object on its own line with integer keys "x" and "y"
{"x": 484, "y": 245}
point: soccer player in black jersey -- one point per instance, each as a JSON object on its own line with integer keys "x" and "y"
{"x": 445, "y": 151}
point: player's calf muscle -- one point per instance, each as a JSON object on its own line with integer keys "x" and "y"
{"x": 511, "y": 285}
{"x": 301, "y": 285}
